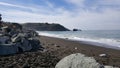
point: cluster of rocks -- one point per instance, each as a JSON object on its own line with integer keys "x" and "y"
{"x": 14, "y": 39}
{"x": 29, "y": 60}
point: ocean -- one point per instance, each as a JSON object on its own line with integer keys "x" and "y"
{"x": 104, "y": 38}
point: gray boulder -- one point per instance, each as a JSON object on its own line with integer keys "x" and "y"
{"x": 35, "y": 43}
{"x": 4, "y": 40}
{"x": 6, "y": 49}
{"x": 24, "y": 45}
{"x": 110, "y": 67}
{"x": 77, "y": 61}
{"x": 17, "y": 38}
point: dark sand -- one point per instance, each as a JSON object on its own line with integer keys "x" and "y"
{"x": 56, "y": 49}
{"x": 64, "y": 47}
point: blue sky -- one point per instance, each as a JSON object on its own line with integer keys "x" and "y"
{"x": 83, "y": 14}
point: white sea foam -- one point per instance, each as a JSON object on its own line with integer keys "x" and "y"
{"x": 47, "y": 34}
{"x": 104, "y": 42}
{"x": 109, "y": 43}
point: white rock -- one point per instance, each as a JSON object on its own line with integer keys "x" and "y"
{"x": 77, "y": 61}
{"x": 103, "y": 55}
{"x": 110, "y": 67}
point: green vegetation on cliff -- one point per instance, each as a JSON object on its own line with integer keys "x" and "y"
{"x": 44, "y": 27}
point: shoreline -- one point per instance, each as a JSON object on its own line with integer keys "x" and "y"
{"x": 54, "y": 50}
{"x": 112, "y": 43}
{"x": 64, "y": 47}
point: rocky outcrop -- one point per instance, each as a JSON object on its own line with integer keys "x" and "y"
{"x": 15, "y": 39}
{"x": 77, "y": 30}
{"x": 45, "y": 27}
{"x": 18, "y": 43}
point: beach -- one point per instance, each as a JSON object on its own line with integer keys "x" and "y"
{"x": 64, "y": 47}
{"x": 54, "y": 50}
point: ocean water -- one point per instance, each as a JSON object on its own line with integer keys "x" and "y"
{"x": 104, "y": 38}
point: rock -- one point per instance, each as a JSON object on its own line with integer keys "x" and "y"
{"x": 56, "y": 45}
{"x": 4, "y": 40}
{"x": 76, "y": 48}
{"x": 104, "y": 55}
{"x": 76, "y": 30}
{"x": 6, "y": 29}
{"x": 15, "y": 39}
{"x": 17, "y": 26}
{"x": 6, "y": 49}
{"x": 110, "y": 67}
{"x": 24, "y": 45}
{"x": 35, "y": 43}
{"x": 77, "y": 61}
{"x": 26, "y": 65}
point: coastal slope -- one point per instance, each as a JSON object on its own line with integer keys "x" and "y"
{"x": 44, "y": 27}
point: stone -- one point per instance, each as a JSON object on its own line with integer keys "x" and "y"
{"x": 6, "y": 49}
{"x": 26, "y": 65}
{"x": 104, "y": 55}
{"x": 77, "y": 61}
{"x": 77, "y": 30}
{"x": 26, "y": 44}
{"x": 6, "y": 29}
{"x": 16, "y": 39}
{"x": 35, "y": 43}
{"x": 17, "y": 26}
{"x": 56, "y": 45}
{"x": 4, "y": 39}
{"x": 110, "y": 67}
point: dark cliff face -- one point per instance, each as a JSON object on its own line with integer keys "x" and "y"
{"x": 44, "y": 27}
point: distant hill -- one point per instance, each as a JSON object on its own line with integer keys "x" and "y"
{"x": 44, "y": 27}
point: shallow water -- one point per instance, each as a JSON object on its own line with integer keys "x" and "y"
{"x": 107, "y": 38}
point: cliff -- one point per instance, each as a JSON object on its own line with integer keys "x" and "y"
{"x": 44, "y": 27}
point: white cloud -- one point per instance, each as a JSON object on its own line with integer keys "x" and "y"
{"x": 109, "y": 2}
{"x": 12, "y": 5}
{"x": 34, "y": 8}
{"x": 109, "y": 19}
{"x": 76, "y": 2}
{"x": 84, "y": 19}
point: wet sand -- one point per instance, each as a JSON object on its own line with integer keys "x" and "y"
{"x": 56, "y": 49}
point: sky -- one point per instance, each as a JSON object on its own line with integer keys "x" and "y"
{"x": 81, "y": 14}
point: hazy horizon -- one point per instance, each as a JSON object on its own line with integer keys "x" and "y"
{"x": 81, "y": 14}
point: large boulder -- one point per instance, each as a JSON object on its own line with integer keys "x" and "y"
{"x": 35, "y": 43}
{"x": 6, "y": 49}
{"x": 24, "y": 45}
{"x": 4, "y": 40}
{"x": 77, "y": 61}
{"x": 110, "y": 67}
